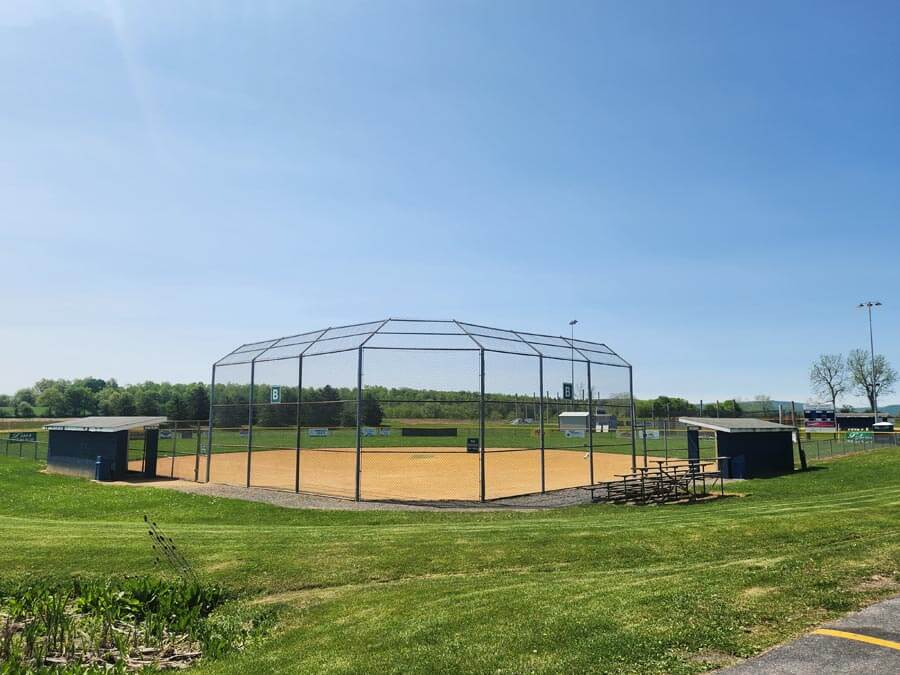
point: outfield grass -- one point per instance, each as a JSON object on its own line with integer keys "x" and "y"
{"x": 600, "y": 589}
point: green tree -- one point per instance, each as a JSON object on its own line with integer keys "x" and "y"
{"x": 92, "y": 384}
{"x": 80, "y": 400}
{"x": 176, "y": 408}
{"x": 117, "y": 402}
{"x": 146, "y": 401}
{"x": 24, "y": 409}
{"x": 53, "y": 398}
{"x": 24, "y": 396}
{"x": 198, "y": 401}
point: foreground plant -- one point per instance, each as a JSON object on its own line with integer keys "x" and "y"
{"x": 124, "y": 623}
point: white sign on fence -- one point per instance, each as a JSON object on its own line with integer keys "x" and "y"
{"x": 317, "y": 432}
{"x": 385, "y": 431}
{"x": 368, "y": 431}
{"x": 651, "y": 434}
{"x": 574, "y": 433}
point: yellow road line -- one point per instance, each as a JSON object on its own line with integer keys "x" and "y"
{"x": 890, "y": 644}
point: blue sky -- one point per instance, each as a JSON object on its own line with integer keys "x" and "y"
{"x": 708, "y": 187}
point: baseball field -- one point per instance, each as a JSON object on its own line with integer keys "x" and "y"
{"x": 408, "y": 467}
{"x": 675, "y": 589}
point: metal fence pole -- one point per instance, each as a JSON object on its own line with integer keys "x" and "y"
{"x": 666, "y": 432}
{"x": 299, "y": 422}
{"x": 209, "y": 430}
{"x": 250, "y": 419}
{"x": 358, "y": 422}
{"x": 481, "y": 430}
{"x": 541, "y": 411}
{"x": 197, "y": 453}
{"x": 174, "y": 448}
{"x": 590, "y": 424}
{"x": 633, "y": 437}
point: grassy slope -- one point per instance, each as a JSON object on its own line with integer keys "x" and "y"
{"x": 604, "y": 589}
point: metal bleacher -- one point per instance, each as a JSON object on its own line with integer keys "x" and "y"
{"x": 671, "y": 480}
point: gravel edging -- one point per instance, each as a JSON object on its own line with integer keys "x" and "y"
{"x": 292, "y": 500}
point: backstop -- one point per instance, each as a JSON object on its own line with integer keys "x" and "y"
{"x": 404, "y": 409}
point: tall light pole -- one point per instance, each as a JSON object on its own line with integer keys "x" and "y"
{"x": 869, "y": 304}
{"x": 572, "y": 345}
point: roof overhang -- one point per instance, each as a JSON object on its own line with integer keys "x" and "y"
{"x": 735, "y": 425}
{"x": 106, "y": 424}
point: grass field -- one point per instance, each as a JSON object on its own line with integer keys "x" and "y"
{"x": 595, "y": 589}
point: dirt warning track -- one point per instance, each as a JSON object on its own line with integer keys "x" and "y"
{"x": 418, "y": 473}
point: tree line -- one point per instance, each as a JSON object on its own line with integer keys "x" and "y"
{"x": 95, "y": 396}
{"x": 322, "y": 406}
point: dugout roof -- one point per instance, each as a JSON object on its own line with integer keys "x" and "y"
{"x": 734, "y": 425}
{"x": 419, "y": 334}
{"x": 105, "y": 424}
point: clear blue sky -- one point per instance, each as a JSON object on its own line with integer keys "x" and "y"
{"x": 709, "y": 187}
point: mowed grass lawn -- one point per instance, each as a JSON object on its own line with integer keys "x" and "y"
{"x": 596, "y": 588}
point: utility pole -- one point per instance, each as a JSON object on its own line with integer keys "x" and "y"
{"x": 869, "y": 304}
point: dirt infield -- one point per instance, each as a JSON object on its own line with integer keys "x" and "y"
{"x": 425, "y": 473}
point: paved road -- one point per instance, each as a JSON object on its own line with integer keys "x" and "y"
{"x": 865, "y": 642}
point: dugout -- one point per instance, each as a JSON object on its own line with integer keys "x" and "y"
{"x": 574, "y": 421}
{"x": 74, "y": 445}
{"x": 747, "y": 448}
{"x": 859, "y": 421}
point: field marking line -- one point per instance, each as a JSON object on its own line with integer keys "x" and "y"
{"x": 890, "y": 644}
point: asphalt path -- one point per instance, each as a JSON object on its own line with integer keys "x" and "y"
{"x": 864, "y": 642}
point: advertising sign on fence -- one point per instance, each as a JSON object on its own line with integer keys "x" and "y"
{"x": 317, "y": 433}
{"x": 385, "y": 431}
{"x": 652, "y": 434}
{"x": 29, "y": 436}
{"x": 369, "y": 431}
{"x": 574, "y": 433}
{"x": 165, "y": 434}
{"x": 859, "y": 436}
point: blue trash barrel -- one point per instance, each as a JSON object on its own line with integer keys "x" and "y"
{"x": 101, "y": 468}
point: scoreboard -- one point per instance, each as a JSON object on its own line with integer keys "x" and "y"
{"x": 820, "y": 417}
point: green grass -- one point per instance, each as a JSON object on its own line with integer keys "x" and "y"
{"x": 496, "y": 436}
{"x": 600, "y": 589}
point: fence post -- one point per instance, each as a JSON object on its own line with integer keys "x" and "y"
{"x": 299, "y": 422}
{"x": 633, "y": 437}
{"x": 209, "y": 430}
{"x": 590, "y": 424}
{"x": 481, "y": 429}
{"x": 541, "y": 410}
{"x": 197, "y": 454}
{"x": 250, "y": 418}
{"x": 359, "y": 366}
{"x": 174, "y": 448}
